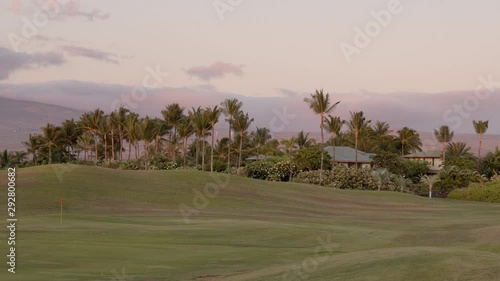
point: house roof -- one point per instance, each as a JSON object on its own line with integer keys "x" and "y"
{"x": 345, "y": 154}
{"x": 261, "y": 157}
{"x": 425, "y": 154}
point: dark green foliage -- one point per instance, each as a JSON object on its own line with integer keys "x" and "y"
{"x": 486, "y": 192}
{"x": 309, "y": 158}
{"x": 453, "y": 177}
{"x": 410, "y": 169}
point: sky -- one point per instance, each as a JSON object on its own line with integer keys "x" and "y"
{"x": 415, "y": 63}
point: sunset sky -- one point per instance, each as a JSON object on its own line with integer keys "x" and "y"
{"x": 421, "y": 68}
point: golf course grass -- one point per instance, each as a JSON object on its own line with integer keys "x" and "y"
{"x": 128, "y": 225}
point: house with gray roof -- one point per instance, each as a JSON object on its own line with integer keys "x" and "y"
{"x": 347, "y": 156}
{"x": 433, "y": 157}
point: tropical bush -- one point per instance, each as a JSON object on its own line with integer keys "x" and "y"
{"x": 452, "y": 177}
{"x": 309, "y": 159}
{"x": 342, "y": 177}
{"x": 486, "y": 192}
{"x": 160, "y": 162}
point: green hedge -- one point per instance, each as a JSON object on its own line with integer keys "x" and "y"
{"x": 486, "y": 192}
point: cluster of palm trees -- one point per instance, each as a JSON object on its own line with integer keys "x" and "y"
{"x": 124, "y": 135}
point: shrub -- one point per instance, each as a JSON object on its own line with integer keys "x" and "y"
{"x": 131, "y": 165}
{"x": 343, "y": 177}
{"x": 259, "y": 169}
{"x": 309, "y": 159}
{"x": 486, "y": 192}
{"x": 282, "y": 171}
{"x": 453, "y": 177}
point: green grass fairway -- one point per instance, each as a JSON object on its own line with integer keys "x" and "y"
{"x": 126, "y": 225}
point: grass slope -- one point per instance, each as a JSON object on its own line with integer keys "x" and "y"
{"x": 126, "y": 225}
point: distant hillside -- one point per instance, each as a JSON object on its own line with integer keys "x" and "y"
{"x": 20, "y": 118}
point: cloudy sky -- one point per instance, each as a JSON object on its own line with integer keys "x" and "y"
{"x": 415, "y": 63}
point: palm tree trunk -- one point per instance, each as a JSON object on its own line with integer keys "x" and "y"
{"x": 241, "y": 146}
{"x": 112, "y": 146}
{"x": 50, "y": 155}
{"x": 479, "y": 151}
{"x": 184, "y": 150}
{"x": 212, "y": 151}
{"x": 356, "y": 136}
{"x": 322, "y": 151}
{"x": 444, "y": 152}
{"x": 203, "y": 153}
{"x": 197, "y": 151}
{"x": 95, "y": 146}
{"x": 104, "y": 136}
{"x": 333, "y": 152}
{"x": 121, "y": 146}
{"x": 129, "y": 149}
{"x": 229, "y": 148}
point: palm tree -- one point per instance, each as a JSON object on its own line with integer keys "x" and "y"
{"x": 382, "y": 137}
{"x": 289, "y": 146}
{"x": 444, "y": 136}
{"x": 118, "y": 118}
{"x": 173, "y": 114}
{"x": 403, "y": 182}
{"x": 131, "y": 123}
{"x": 381, "y": 176}
{"x": 85, "y": 143}
{"x": 185, "y": 130}
{"x": 357, "y": 125}
{"x": 456, "y": 150}
{"x": 320, "y": 104}
{"x": 430, "y": 181}
{"x": 213, "y": 114}
{"x": 90, "y": 122}
{"x": 201, "y": 125}
{"x": 241, "y": 123}
{"x": 146, "y": 130}
{"x": 480, "y": 127}
{"x": 260, "y": 138}
{"x": 51, "y": 138}
{"x": 32, "y": 145}
{"x": 69, "y": 135}
{"x": 304, "y": 140}
{"x": 6, "y": 159}
{"x": 230, "y": 108}
{"x": 409, "y": 140}
{"x": 333, "y": 125}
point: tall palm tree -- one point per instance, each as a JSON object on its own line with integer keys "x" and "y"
{"x": 32, "y": 145}
{"x": 201, "y": 125}
{"x": 146, "y": 130}
{"x": 430, "y": 181}
{"x": 303, "y": 140}
{"x": 230, "y": 108}
{"x": 173, "y": 114}
{"x": 409, "y": 140}
{"x": 444, "y": 136}
{"x": 69, "y": 135}
{"x": 480, "y": 127}
{"x": 320, "y": 104}
{"x": 260, "y": 138}
{"x": 118, "y": 118}
{"x": 213, "y": 114}
{"x": 51, "y": 139}
{"x": 333, "y": 125}
{"x": 241, "y": 124}
{"x": 184, "y": 130}
{"x": 132, "y": 135}
{"x": 90, "y": 122}
{"x": 85, "y": 143}
{"x": 6, "y": 159}
{"x": 357, "y": 125}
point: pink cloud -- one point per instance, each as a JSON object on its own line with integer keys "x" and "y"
{"x": 216, "y": 70}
